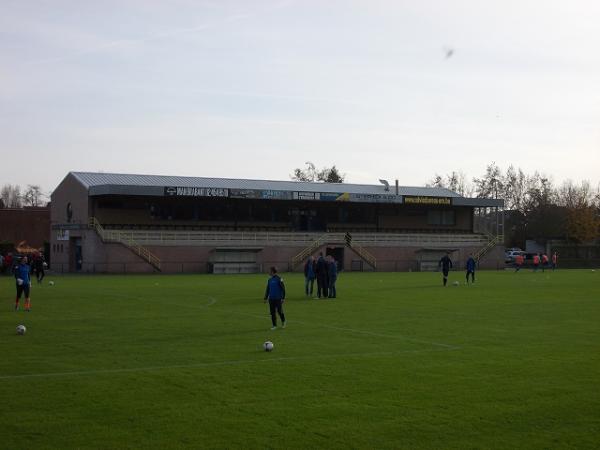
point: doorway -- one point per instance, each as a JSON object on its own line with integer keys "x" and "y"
{"x": 338, "y": 254}
{"x": 76, "y": 260}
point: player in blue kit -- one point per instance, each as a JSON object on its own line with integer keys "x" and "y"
{"x": 471, "y": 268}
{"x": 275, "y": 294}
{"x": 21, "y": 272}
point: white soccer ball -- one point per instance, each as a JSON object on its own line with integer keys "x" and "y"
{"x": 51, "y": 283}
{"x": 456, "y": 283}
{"x": 21, "y": 329}
{"x": 19, "y": 281}
{"x": 268, "y": 346}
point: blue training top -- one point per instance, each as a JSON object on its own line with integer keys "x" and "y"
{"x": 275, "y": 289}
{"x": 470, "y": 265}
{"x": 22, "y": 272}
{"x": 332, "y": 267}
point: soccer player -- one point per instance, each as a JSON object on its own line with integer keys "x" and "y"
{"x": 38, "y": 267}
{"x": 536, "y": 262}
{"x": 544, "y": 262}
{"x": 332, "y": 272}
{"x": 322, "y": 273}
{"x": 446, "y": 264}
{"x": 554, "y": 261}
{"x": 471, "y": 268}
{"x": 275, "y": 293}
{"x": 21, "y": 272}
{"x": 519, "y": 260}
{"x": 309, "y": 276}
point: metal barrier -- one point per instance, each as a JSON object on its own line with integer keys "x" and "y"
{"x": 125, "y": 239}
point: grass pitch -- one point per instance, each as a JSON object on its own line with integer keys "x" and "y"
{"x": 396, "y": 361}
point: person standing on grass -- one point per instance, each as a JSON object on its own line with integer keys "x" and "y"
{"x": 519, "y": 260}
{"x": 309, "y": 276}
{"x": 332, "y": 276}
{"x": 471, "y": 268}
{"x": 38, "y": 267}
{"x": 544, "y": 262}
{"x": 446, "y": 264}
{"x": 8, "y": 262}
{"x": 21, "y": 272}
{"x": 554, "y": 261}
{"x": 321, "y": 272}
{"x": 536, "y": 262}
{"x": 275, "y": 294}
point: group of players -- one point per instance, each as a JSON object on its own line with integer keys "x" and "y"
{"x": 539, "y": 260}
{"x": 445, "y": 264}
{"x": 322, "y": 269}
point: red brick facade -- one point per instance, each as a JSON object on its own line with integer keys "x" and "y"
{"x": 25, "y": 224}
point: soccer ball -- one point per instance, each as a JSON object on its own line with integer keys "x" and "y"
{"x": 268, "y": 346}
{"x": 19, "y": 281}
{"x": 51, "y": 283}
{"x": 21, "y": 329}
{"x": 456, "y": 283}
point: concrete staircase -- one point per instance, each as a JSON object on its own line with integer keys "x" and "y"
{"x": 126, "y": 240}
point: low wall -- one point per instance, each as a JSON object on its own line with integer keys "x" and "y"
{"x": 99, "y": 257}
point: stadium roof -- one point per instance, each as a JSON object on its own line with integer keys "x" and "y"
{"x": 156, "y": 185}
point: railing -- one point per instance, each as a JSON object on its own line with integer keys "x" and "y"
{"x": 334, "y": 238}
{"x": 364, "y": 254}
{"x": 127, "y": 240}
{"x": 308, "y": 250}
{"x": 190, "y": 238}
{"x": 493, "y": 241}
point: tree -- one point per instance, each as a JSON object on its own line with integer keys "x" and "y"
{"x": 490, "y": 184}
{"x": 331, "y": 175}
{"x": 455, "y": 181}
{"x": 11, "y": 196}
{"x": 583, "y": 224}
{"x": 326, "y": 175}
{"x": 33, "y": 196}
{"x": 437, "y": 182}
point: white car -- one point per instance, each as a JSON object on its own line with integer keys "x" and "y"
{"x": 509, "y": 256}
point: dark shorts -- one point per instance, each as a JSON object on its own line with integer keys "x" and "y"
{"x": 24, "y": 288}
{"x": 445, "y": 272}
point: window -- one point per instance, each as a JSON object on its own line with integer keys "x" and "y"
{"x": 440, "y": 217}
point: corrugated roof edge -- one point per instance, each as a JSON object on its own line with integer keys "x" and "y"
{"x": 84, "y": 178}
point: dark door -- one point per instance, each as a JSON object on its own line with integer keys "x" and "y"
{"x": 77, "y": 254}
{"x": 338, "y": 254}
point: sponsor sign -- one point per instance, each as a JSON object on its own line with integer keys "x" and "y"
{"x": 276, "y": 195}
{"x": 307, "y": 196}
{"x": 374, "y": 198}
{"x": 244, "y": 193}
{"x": 435, "y": 201}
{"x": 330, "y": 196}
{"x": 174, "y": 191}
{"x": 62, "y": 235}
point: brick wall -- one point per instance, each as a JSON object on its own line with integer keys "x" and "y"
{"x": 27, "y": 224}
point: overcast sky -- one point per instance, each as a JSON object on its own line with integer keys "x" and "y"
{"x": 253, "y": 89}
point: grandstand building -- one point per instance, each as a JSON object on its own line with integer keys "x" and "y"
{"x": 118, "y": 223}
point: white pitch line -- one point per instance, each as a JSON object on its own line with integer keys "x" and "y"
{"x": 214, "y": 364}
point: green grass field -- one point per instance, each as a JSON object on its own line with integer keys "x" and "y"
{"x": 396, "y": 361}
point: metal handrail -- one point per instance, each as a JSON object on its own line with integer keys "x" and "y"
{"x": 288, "y": 237}
{"x": 123, "y": 238}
